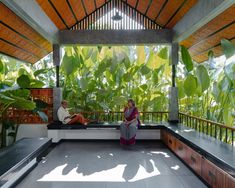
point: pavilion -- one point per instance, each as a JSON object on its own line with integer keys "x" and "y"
{"x": 31, "y": 29}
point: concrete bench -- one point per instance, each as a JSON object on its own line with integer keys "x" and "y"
{"x": 210, "y": 159}
{"x": 18, "y": 159}
{"x": 100, "y": 131}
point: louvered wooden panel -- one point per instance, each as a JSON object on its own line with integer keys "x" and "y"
{"x": 99, "y": 3}
{"x": 213, "y": 40}
{"x": 204, "y": 56}
{"x": 48, "y": 9}
{"x": 89, "y": 5}
{"x": 155, "y": 8}
{"x": 132, "y": 2}
{"x": 142, "y": 6}
{"x": 214, "y": 25}
{"x": 13, "y": 21}
{"x": 21, "y": 42}
{"x": 168, "y": 11}
{"x": 64, "y": 11}
{"x": 209, "y": 36}
{"x": 15, "y": 52}
{"x": 78, "y": 9}
{"x": 182, "y": 11}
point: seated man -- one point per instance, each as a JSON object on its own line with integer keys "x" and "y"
{"x": 66, "y": 118}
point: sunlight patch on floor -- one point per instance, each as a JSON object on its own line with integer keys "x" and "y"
{"x": 114, "y": 175}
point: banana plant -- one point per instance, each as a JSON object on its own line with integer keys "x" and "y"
{"x": 208, "y": 89}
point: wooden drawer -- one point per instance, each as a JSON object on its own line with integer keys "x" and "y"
{"x": 181, "y": 150}
{"x": 164, "y": 136}
{"x": 229, "y": 181}
{"x": 171, "y": 140}
{"x": 214, "y": 176}
{"x": 193, "y": 159}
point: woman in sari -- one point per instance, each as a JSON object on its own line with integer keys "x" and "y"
{"x": 131, "y": 122}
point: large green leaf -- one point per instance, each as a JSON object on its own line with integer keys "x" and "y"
{"x": 151, "y": 62}
{"x": 36, "y": 83}
{"x": 140, "y": 55}
{"x": 83, "y": 83}
{"x": 229, "y": 71}
{"x": 23, "y": 81}
{"x": 203, "y": 77}
{"x": 181, "y": 92}
{"x": 144, "y": 70}
{"x": 40, "y": 71}
{"x": 186, "y": 58}
{"x": 163, "y": 53}
{"x": 190, "y": 85}
{"x": 87, "y": 52}
{"x": 23, "y": 71}
{"x": 70, "y": 64}
{"x": 40, "y": 104}
{"x": 1, "y": 67}
{"x": 225, "y": 84}
{"x": 228, "y": 48}
{"x": 227, "y": 115}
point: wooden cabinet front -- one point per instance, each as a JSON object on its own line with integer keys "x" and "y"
{"x": 214, "y": 176}
{"x": 171, "y": 140}
{"x": 181, "y": 150}
{"x": 194, "y": 160}
{"x": 164, "y": 136}
{"x": 229, "y": 181}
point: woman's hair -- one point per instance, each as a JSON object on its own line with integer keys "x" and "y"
{"x": 131, "y": 101}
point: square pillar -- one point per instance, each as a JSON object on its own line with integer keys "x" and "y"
{"x": 173, "y": 91}
{"x": 57, "y": 98}
{"x": 57, "y": 91}
{"x": 56, "y": 62}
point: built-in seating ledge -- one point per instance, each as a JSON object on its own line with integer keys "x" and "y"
{"x": 218, "y": 152}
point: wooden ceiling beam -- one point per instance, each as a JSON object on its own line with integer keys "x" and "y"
{"x": 32, "y": 14}
{"x": 202, "y": 13}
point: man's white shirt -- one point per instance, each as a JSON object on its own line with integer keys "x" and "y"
{"x": 62, "y": 113}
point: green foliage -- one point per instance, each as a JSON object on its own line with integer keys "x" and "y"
{"x": 209, "y": 89}
{"x": 23, "y": 81}
{"x": 186, "y": 58}
{"x": 163, "y": 53}
{"x": 108, "y": 76}
{"x": 228, "y": 48}
{"x": 190, "y": 85}
{"x": 203, "y": 77}
{"x": 15, "y": 77}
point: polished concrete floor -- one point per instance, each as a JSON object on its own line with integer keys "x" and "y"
{"x": 107, "y": 165}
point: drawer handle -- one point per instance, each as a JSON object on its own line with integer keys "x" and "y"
{"x": 170, "y": 141}
{"x": 212, "y": 176}
{"x": 180, "y": 148}
{"x": 193, "y": 159}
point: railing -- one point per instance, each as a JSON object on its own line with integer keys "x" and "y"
{"x": 213, "y": 129}
{"x": 145, "y": 117}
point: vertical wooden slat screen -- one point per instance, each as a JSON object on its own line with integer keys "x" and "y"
{"x": 101, "y": 19}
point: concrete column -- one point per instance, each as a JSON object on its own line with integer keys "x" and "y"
{"x": 56, "y": 61}
{"x": 173, "y": 91}
{"x": 57, "y": 91}
{"x": 57, "y": 98}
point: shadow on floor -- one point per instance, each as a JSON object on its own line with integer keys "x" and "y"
{"x": 108, "y": 162}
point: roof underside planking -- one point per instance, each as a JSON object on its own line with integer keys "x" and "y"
{"x": 23, "y": 41}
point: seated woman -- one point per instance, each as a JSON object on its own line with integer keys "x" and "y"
{"x": 131, "y": 122}
{"x": 65, "y": 117}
